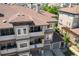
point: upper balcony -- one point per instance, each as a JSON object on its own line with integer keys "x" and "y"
{"x": 36, "y": 34}
{"x": 28, "y": 32}
{"x": 7, "y": 37}
{"x": 36, "y": 31}
{"x": 7, "y": 34}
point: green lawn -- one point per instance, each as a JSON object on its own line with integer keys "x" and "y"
{"x": 69, "y": 53}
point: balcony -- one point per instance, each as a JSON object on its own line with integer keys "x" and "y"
{"x": 49, "y": 30}
{"x": 22, "y": 36}
{"x": 36, "y": 46}
{"x": 8, "y": 51}
{"x": 8, "y": 48}
{"x": 47, "y": 41}
{"x": 36, "y": 34}
{"x": 8, "y": 37}
{"x": 32, "y": 34}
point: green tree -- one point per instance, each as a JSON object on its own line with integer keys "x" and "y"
{"x": 66, "y": 38}
{"x": 45, "y": 7}
{"x": 53, "y": 9}
{"x": 56, "y": 27}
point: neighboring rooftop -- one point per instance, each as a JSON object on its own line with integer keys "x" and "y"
{"x": 73, "y": 10}
{"x": 73, "y": 31}
{"x": 76, "y": 30}
{"x": 50, "y": 16}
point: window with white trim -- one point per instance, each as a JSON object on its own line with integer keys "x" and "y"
{"x": 24, "y": 30}
{"x": 19, "y": 31}
{"x": 23, "y": 45}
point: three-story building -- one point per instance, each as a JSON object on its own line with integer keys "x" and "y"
{"x": 23, "y": 29}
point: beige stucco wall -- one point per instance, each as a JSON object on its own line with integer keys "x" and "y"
{"x": 65, "y": 19}
{"x": 27, "y": 41}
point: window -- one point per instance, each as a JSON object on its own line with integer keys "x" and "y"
{"x": 32, "y": 42}
{"x": 62, "y": 44}
{"x": 48, "y": 26}
{"x": 36, "y": 41}
{"x": 8, "y": 45}
{"x": 4, "y": 32}
{"x": 24, "y": 30}
{"x": 23, "y": 45}
{"x": 38, "y": 4}
{"x": 69, "y": 24}
{"x": 35, "y": 29}
{"x": 11, "y": 45}
{"x": 31, "y": 29}
{"x": 19, "y": 31}
{"x": 3, "y": 47}
{"x": 11, "y": 31}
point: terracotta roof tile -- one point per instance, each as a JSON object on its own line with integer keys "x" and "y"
{"x": 73, "y": 31}
{"x": 74, "y": 9}
{"x": 76, "y": 30}
{"x": 14, "y": 13}
{"x": 5, "y": 25}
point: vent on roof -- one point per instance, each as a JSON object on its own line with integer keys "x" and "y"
{"x": 21, "y": 15}
{"x": 18, "y": 15}
{"x": 4, "y": 21}
{"x": 1, "y": 15}
{"x": 5, "y": 3}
